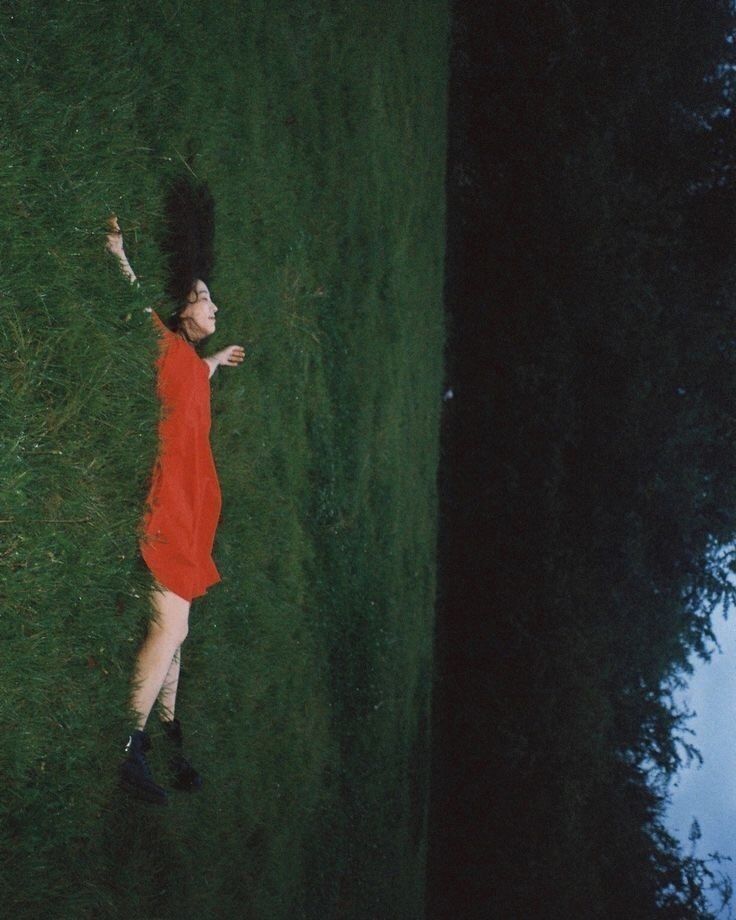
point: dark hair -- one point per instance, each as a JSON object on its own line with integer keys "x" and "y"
{"x": 188, "y": 240}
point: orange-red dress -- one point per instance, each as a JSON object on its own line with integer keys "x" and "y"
{"x": 184, "y": 501}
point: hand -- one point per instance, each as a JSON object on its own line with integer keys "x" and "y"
{"x": 114, "y": 245}
{"x": 231, "y": 356}
{"x": 114, "y": 242}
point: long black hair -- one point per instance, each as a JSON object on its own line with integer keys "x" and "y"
{"x": 188, "y": 241}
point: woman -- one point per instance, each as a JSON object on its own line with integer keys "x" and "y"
{"x": 183, "y": 504}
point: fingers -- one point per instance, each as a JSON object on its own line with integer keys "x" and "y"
{"x": 236, "y": 355}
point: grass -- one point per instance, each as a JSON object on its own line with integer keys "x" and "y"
{"x": 306, "y": 679}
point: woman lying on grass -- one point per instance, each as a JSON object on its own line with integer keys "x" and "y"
{"x": 183, "y": 505}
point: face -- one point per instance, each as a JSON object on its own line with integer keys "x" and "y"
{"x": 198, "y": 316}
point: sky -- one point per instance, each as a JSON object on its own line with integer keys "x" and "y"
{"x": 708, "y": 792}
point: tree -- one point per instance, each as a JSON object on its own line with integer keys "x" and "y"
{"x": 589, "y": 476}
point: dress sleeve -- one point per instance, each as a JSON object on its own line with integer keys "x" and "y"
{"x": 165, "y": 336}
{"x": 158, "y": 323}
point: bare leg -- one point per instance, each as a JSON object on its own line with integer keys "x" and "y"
{"x": 166, "y": 632}
{"x": 167, "y": 696}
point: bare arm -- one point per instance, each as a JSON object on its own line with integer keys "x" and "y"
{"x": 231, "y": 356}
{"x": 115, "y": 246}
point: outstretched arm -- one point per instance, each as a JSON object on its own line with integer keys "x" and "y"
{"x": 115, "y": 246}
{"x": 231, "y": 356}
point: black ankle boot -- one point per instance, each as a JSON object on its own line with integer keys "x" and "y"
{"x": 183, "y": 774}
{"x": 135, "y": 774}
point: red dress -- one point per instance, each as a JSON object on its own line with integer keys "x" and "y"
{"x": 184, "y": 501}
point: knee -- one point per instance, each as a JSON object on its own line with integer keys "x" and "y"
{"x": 172, "y": 632}
{"x": 180, "y": 633}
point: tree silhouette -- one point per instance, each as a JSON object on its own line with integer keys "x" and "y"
{"x": 589, "y": 481}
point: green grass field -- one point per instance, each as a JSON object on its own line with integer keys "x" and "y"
{"x": 306, "y": 681}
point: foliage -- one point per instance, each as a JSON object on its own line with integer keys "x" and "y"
{"x": 591, "y": 278}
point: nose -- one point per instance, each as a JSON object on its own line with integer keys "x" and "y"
{"x": 214, "y": 308}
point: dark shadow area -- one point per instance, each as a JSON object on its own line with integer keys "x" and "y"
{"x": 587, "y": 465}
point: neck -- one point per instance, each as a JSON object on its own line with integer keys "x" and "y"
{"x": 186, "y": 328}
